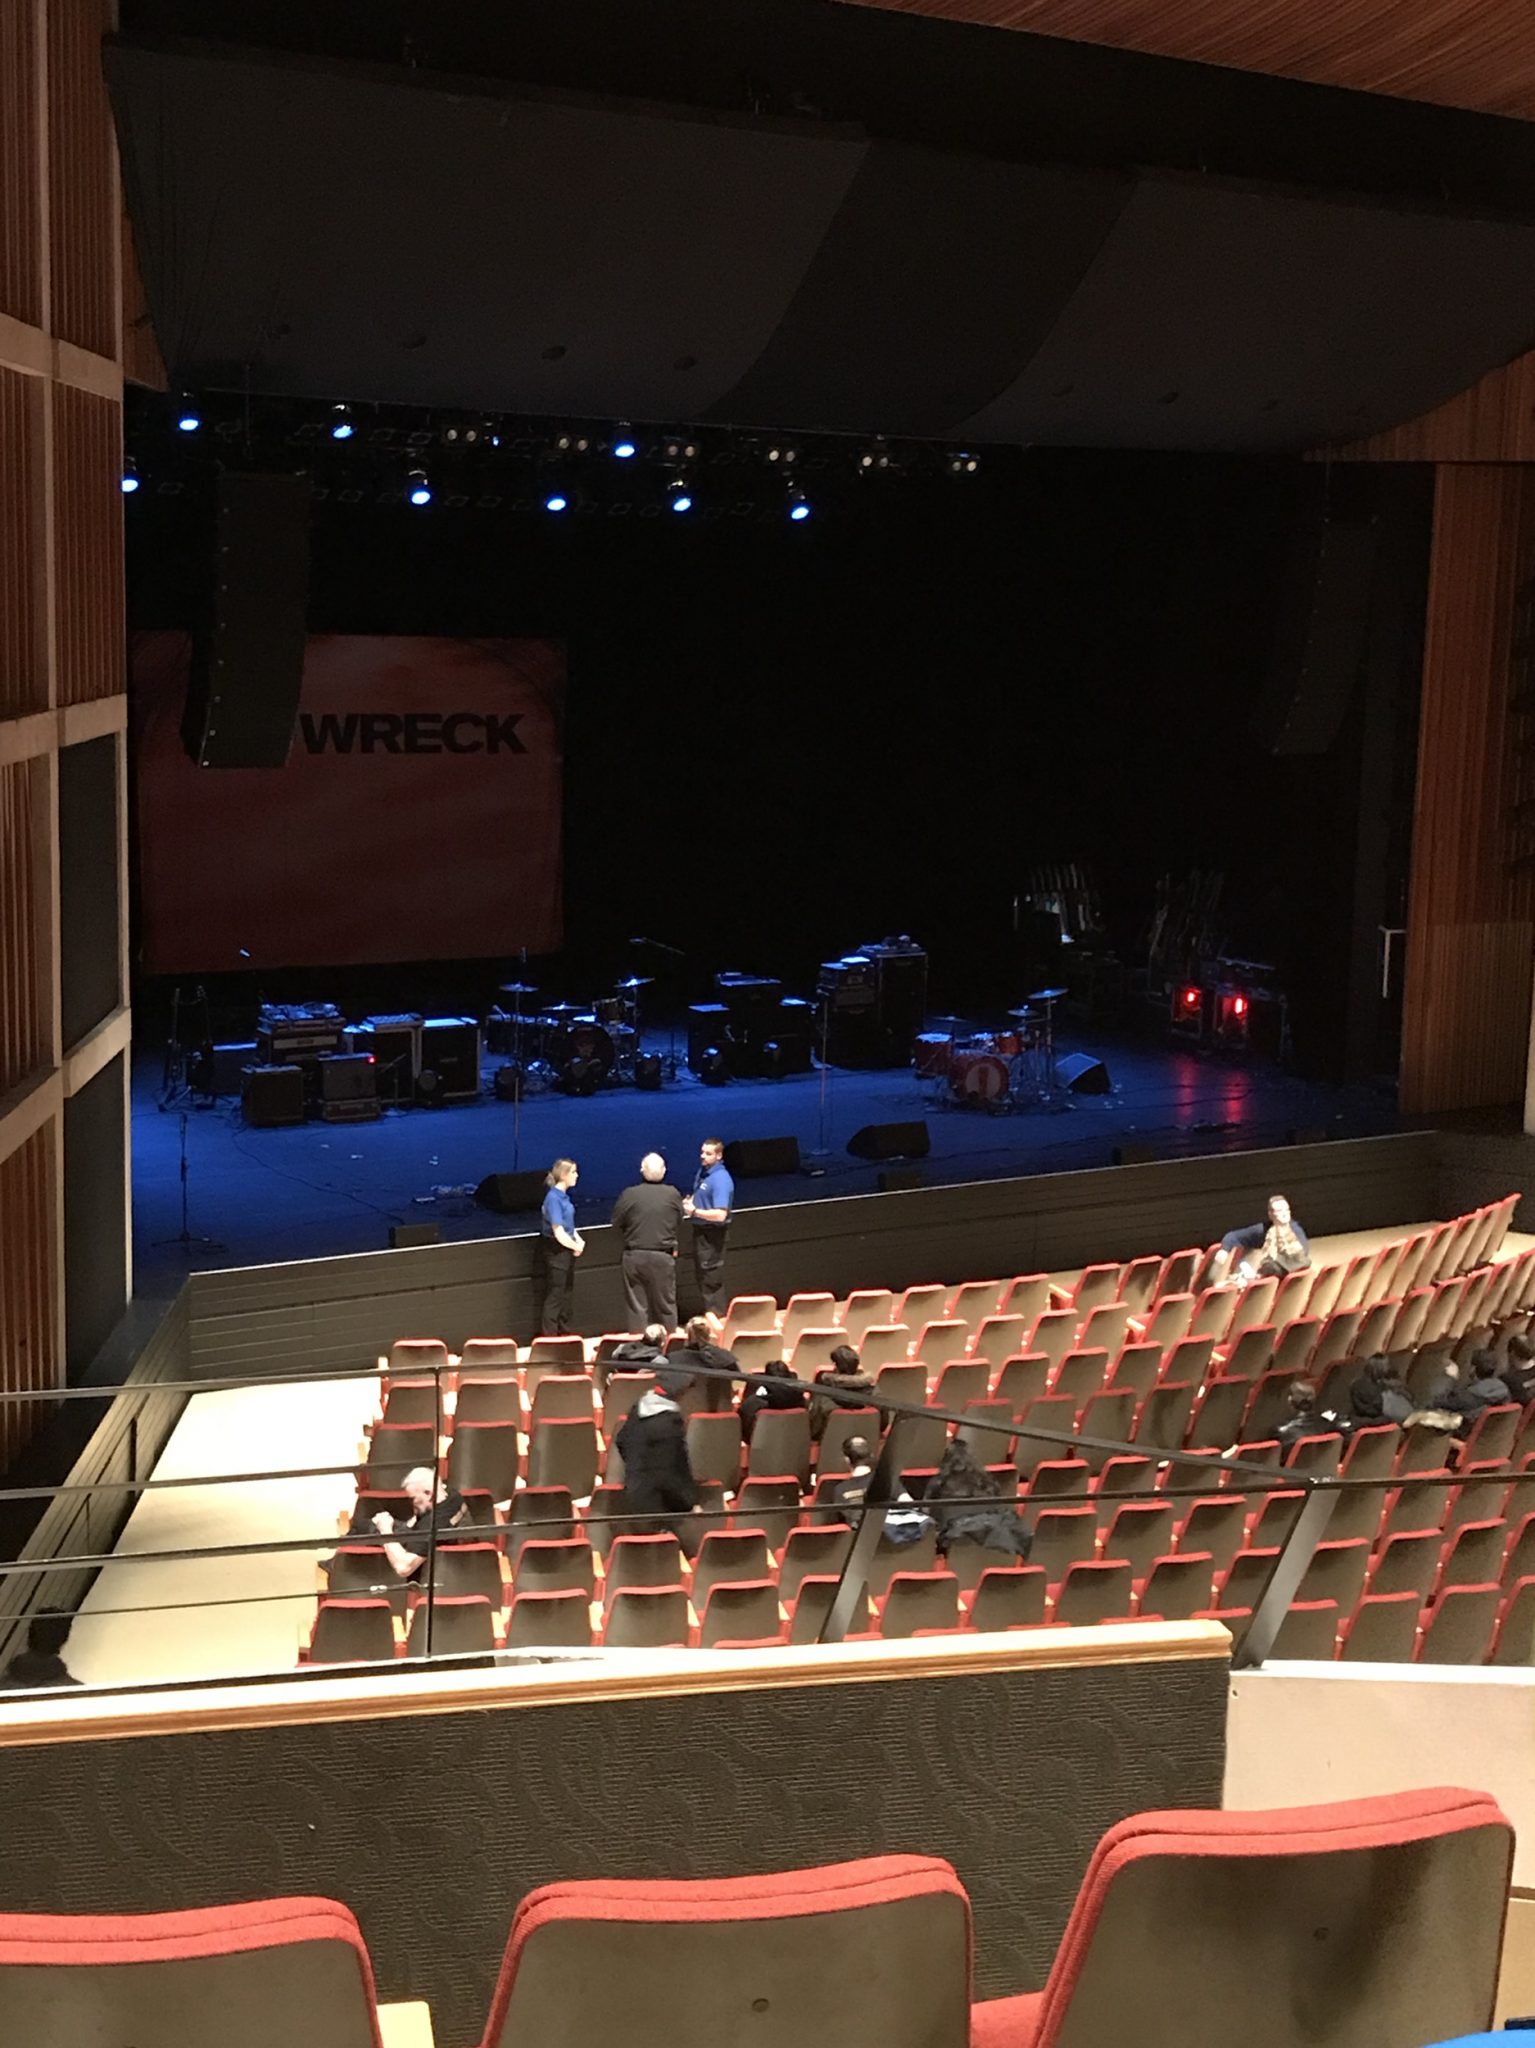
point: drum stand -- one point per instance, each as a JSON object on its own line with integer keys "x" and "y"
{"x": 1051, "y": 1094}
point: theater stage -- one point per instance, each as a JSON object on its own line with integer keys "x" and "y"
{"x": 321, "y": 1189}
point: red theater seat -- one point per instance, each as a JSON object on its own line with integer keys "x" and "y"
{"x": 247, "y": 1976}
{"x": 877, "y": 1950}
{"x": 1225, "y": 1927}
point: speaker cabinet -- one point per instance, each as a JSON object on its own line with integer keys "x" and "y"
{"x": 890, "y": 1141}
{"x": 248, "y": 667}
{"x": 757, "y": 1158}
{"x": 511, "y": 1194}
{"x": 1082, "y": 1074}
{"x": 272, "y": 1096}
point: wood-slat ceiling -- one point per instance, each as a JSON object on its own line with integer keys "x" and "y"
{"x": 1478, "y": 54}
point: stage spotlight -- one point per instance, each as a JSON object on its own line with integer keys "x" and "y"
{"x": 189, "y": 419}
{"x": 799, "y": 509}
{"x": 875, "y": 456}
{"x": 961, "y": 464}
{"x": 341, "y": 428}
{"x": 678, "y": 450}
{"x": 419, "y": 490}
{"x": 782, "y": 455}
{"x": 1191, "y": 998}
{"x": 556, "y": 502}
{"x": 623, "y": 445}
{"x": 679, "y": 497}
{"x": 130, "y": 477}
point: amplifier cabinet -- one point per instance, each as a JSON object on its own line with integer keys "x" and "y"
{"x": 272, "y": 1096}
{"x": 450, "y": 1054}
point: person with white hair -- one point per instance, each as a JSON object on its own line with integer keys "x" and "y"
{"x": 647, "y": 1218}
{"x": 1269, "y": 1249}
{"x": 435, "y": 1507}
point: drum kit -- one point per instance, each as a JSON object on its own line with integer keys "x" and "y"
{"x": 1009, "y": 1069}
{"x": 577, "y": 1047}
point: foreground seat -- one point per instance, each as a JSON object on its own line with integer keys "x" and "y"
{"x": 1356, "y": 1925}
{"x": 877, "y": 1950}
{"x": 277, "y": 1970}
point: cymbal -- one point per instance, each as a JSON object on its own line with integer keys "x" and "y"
{"x": 1023, "y": 1012}
{"x": 637, "y": 981}
{"x": 564, "y": 1009}
{"x": 1047, "y": 995}
{"x": 518, "y": 988}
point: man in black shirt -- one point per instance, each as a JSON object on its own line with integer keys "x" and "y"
{"x": 435, "y": 1509}
{"x": 647, "y": 1216}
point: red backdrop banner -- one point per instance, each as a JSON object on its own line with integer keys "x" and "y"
{"x": 418, "y": 816}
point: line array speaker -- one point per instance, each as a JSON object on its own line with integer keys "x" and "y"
{"x": 248, "y": 668}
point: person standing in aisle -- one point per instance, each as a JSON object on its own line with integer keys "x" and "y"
{"x": 709, "y": 1205}
{"x": 560, "y": 1244}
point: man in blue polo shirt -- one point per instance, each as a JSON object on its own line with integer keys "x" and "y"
{"x": 709, "y": 1205}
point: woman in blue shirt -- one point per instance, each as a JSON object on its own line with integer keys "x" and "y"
{"x": 560, "y": 1244}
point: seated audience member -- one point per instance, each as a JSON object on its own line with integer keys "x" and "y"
{"x": 40, "y": 1663}
{"x": 658, "y": 1473}
{"x": 904, "y": 1520}
{"x": 698, "y": 1348}
{"x": 966, "y": 1502}
{"x": 436, "y": 1507}
{"x": 1306, "y": 1417}
{"x": 636, "y": 1354}
{"x": 781, "y": 1389}
{"x": 1379, "y": 1395}
{"x": 1519, "y": 1369}
{"x": 847, "y": 1376}
{"x": 1270, "y": 1249}
{"x": 1466, "y": 1394}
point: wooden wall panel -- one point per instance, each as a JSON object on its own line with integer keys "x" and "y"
{"x": 24, "y": 1046}
{"x": 29, "y": 1327}
{"x": 1457, "y": 53}
{"x": 88, "y": 545}
{"x": 23, "y": 652}
{"x": 1494, "y": 421}
{"x": 1471, "y": 903}
{"x": 142, "y": 361}
{"x": 83, "y": 223}
{"x": 21, "y": 215}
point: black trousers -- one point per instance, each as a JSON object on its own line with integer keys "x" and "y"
{"x": 555, "y": 1268}
{"x": 650, "y": 1289}
{"x": 709, "y": 1264}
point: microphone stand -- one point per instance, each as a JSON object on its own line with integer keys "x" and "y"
{"x": 676, "y": 953}
{"x": 185, "y": 1237}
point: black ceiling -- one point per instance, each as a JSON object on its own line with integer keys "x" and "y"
{"x": 340, "y": 229}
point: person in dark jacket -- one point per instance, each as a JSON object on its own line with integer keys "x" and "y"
{"x": 978, "y": 1514}
{"x": 846, "y": 1375}
{"x": 1519, "y": 1368}
{"x": 636, "y": 1354}
{"x": 658, "y": 1473}
{"x": 1467, "y": 1394}
{"x": 1306, "y": 1417}
{"x": 780, "y": 1389}
{"x": 40, "y": 1663}
{"x": 1379, "y": 1395}
{"x": 699, "y": 1349}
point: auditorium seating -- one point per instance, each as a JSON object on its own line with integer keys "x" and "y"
{"x": 1360, "y": 1923}
{"x": 1184, "y": 1369}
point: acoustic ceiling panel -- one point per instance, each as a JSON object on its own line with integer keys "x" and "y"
{"x": 322, "y": 230}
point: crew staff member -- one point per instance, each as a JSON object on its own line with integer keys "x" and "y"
{"x": 560, "y": 1244}
{"x": 647, "y": 1217}
{"x": 709, "y": 1205}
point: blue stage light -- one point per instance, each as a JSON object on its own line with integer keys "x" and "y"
{"x": 623, "y": 448}
{"x": 189, "y": 419}
{"x": 682, "y": 502}
{"x": 130, "y": 481}
{"x": 341, "y": 428}
{"x": 419, "y": 491}
{"x": 556, "y": 502}
{"x": 798, "y": 510}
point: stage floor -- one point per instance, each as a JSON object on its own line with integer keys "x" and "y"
{"x": 324, "y": 1189}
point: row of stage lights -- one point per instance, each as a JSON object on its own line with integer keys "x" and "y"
{"x": 567, "y": 449}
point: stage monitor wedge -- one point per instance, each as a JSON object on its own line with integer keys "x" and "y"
{"x": 760, "y": 1158}
{"x": 891, "y": 1141}
{"x": 512, "y": 1194}
{"x": 248, "y": 666}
